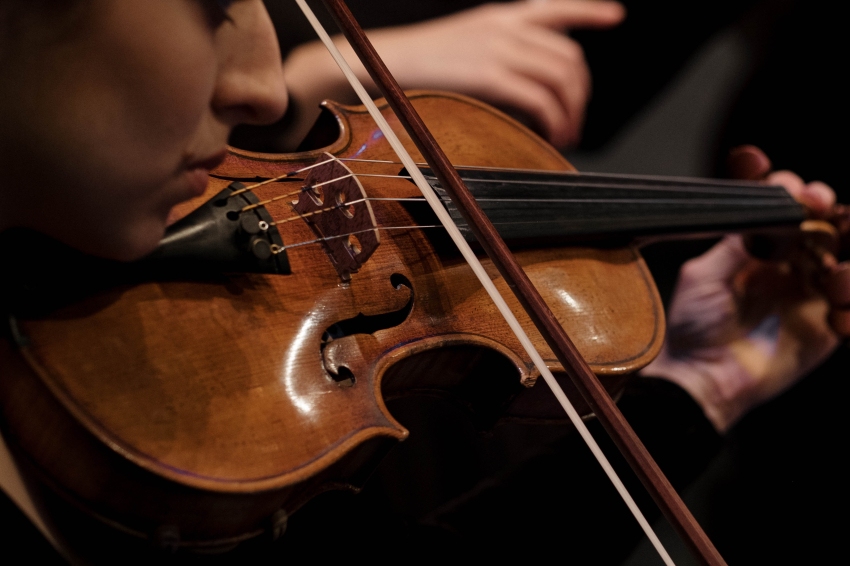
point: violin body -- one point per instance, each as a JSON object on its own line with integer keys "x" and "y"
{"x": 220, "y": 404}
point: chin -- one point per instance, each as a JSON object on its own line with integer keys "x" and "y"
{"x": 139, "y": 247}
{"x": 131, "y": 245}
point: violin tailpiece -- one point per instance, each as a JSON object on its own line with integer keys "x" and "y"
{"x": 229, "y": 233}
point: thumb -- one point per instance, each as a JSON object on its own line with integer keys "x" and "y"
{"x": 562, "y": 14}
{"x": 719, "y": 264}
{"x": 748, "y": 162}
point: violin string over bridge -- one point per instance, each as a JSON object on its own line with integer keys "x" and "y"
{"x": 335, "y": 206}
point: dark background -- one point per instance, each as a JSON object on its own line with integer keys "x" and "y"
{"x": 679, "y": 84}
{"x": 674, "y": 88}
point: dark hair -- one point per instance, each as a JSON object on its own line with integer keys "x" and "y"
{"x": 55, "y": 18}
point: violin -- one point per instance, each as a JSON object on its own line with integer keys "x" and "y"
{"x": 250, "y": 372}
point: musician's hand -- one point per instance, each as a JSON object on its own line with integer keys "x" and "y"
{"x": 513, "y": 55}
{"x": 741, "y": 330}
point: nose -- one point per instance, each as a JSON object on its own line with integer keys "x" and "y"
{"x": 250, "y": 88}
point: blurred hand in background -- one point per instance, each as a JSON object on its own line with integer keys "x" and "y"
{"x": 513, "y": 55}
{"x": 741, "y": 330}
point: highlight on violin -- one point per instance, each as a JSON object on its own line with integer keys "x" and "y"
{"x": 407, "y": 327}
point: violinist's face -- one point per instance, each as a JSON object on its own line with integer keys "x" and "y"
{"x": 113, "y": 111}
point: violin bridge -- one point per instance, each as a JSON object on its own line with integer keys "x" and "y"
{"x": 335, "y": 206}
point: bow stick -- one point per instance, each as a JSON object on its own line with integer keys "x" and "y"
{"x": 576, "y": 367}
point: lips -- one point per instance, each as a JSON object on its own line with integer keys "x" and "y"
{"x": 197, "y": 172}
{"x": 208, "y": 163}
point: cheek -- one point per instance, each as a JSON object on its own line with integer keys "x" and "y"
{"x": 128, "y": 105}
{"x": 122, "y": 171}
{"x": 161, "y": 95}
{"x": 108, "y": 120}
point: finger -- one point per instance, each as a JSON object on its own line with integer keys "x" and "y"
{"x": 530, "y": 97}
{"x": 719, "y": 264}
{"x": 568, "y": 51}
{"x": 816, "y": 196}
{"x": 571, "y": 14}
{"x": 839, "y": 319}
{"x": 558, "y": 63}
{"x": 792, "y": 182}
{"x": 748, "y": 162}
{"x": 837, "y": 286}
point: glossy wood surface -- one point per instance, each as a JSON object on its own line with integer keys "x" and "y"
{"x": 530, "y": 299}
{"x": 224, "y": 385}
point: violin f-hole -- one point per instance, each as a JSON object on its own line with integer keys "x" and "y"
{"x": 343, "y": 342}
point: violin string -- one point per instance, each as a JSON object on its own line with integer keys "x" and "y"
{"x": 277, "y": 249}
{"x": 302, "y": 189}
{"x": 617, "y": 181}
{"x": 501, "y": 224}
{"x": 250, "y": 207}
{"x": 337, "y": 180}
{"x": 567, "y": 174}
{"x": 484, "y": 278}
{"x": 342, "y": 205}
{"x": 305, "y": 215}
{"x": 751, "y": 202}
{"x": 281, "y": 249}
{"x": 739, "y": 193}
{"x": 345, "y": 204}
{"x": 761, "y": 200}
{"x": 569, "y": 181}
{"x": 384, "y": 161}
{"x": 350, "y": 175}
{"x": 279, "y": 178}
{"x": 580, "y": 183}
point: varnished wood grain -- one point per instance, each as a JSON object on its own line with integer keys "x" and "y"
{"x": 221, "y": 385}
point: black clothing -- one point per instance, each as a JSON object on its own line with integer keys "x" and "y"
{"x": 451, "y": 491}
{"x": 22, "y": 542}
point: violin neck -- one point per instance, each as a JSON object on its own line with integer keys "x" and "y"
{"x": 543, "y": 206}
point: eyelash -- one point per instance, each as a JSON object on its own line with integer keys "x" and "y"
{"x": 218, "y": 11}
